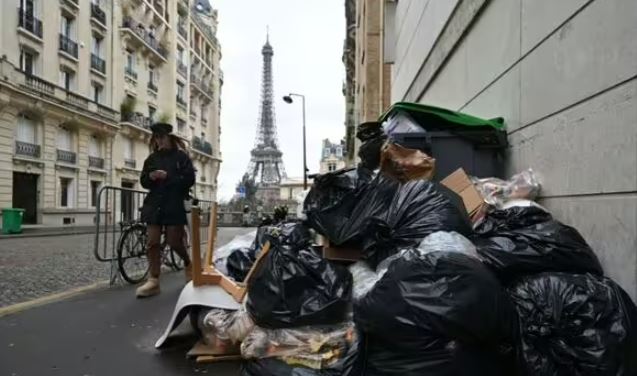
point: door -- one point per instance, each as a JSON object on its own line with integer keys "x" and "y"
{"x": 25, "y": 196}
{"x": 128, "y": 205}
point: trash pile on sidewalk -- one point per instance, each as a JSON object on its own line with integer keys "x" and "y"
{"x": 455, "y": 276}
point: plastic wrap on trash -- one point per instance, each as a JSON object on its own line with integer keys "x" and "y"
{"x": 435, "y": 357}
{"x": 416, "y": 209}
{"x": 239, "y": 263}
{"x": 220, "y": 255}
{"x": 372, "y": 140}
{"x": 300, "y": 199}
{"x": 496, "y": 192}
{"x": 527, "y": 240}
{"x": 404, "y": 164}
{"x": 324, "y": 344}
{"x": 297, "y": 287}
{"x": 225, "y": 325}
{"x": 363, "y": 278}
{"x": 580, "y": 325}
{"x": 443, "y": 241}
{"x": 349, "y": 363}
{"x": 439, "y": 294}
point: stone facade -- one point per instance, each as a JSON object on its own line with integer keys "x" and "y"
{"x": 565, "y": 83}
{"x": 80, "y": 83}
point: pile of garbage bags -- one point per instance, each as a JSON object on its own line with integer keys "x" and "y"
{"x": 511, "y": 292}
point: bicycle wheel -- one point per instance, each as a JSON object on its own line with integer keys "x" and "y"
{"x": 177, "y": 262}
{"x": 132, "y": 259}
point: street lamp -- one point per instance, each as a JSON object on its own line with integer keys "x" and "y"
{"x": 288, "y": 99}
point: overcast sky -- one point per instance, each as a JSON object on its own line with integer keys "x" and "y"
{"x": 307, "y": 38}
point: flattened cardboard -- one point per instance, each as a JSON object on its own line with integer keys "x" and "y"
{"x": 460, "y": 183}
{"x": 339, "y": 253}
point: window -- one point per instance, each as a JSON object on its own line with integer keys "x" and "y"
{"x": 94, "y": 147}
{"x": 339, "y": 152}
{"x": 180, "y": 55}
{"x": 67, "y": 192}
{"x": 181, "y": 126}
{"x": 180, "y": 91}
{"x": 64, "y": 139}
{"x": 66, "y": 26}
{"x": 331, "y": 167}
{"x": 129, "y": 149}
{"x": 97, "y": 92}
{"x": 151, "y": 112}
{"x": 28, "y": 7}
{"x": 96, "y": 2}
{"x": 151, "y": 74}
{"x": 326, "y": 152}
{"x": 26, "y": 130}
{"x": 130, "y": 60}
{"x": 97, "y": 45}
{"x": 27, "y": 61}
{"x": 95, "y": 188}
{"x": 66, "y": 79}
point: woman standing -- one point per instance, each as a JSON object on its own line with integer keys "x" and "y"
{"x": 168, "y": 174}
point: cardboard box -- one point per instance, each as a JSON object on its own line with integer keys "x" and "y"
{"x": 339, "y": 253}
{"x": 460, "y": 183}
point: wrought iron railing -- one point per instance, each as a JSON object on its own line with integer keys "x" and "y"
{"x": 140, "y": 30}
{"x": 181, "y": 101}
{"x": 66, "y": 156}
{"x": 182, "y": 68}
{"x": 136, "y": 118}
{"x": 68, "y": 45}
{"x": 98, "y": 13}
{"x": 98, "y": 63}
{"x": 130, "y": 72}
{"x": 152, "y": 86}
{"x": 25, "y": 148}
{"x": 181, "y": 29}
{"x": 96, "y": 162}
{"x": 38, "y": 84}
{"x": 30, "y": 23}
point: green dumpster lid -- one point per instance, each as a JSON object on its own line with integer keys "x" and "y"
{"x": 13, "y": 209}
{"x": 421, "y": 113}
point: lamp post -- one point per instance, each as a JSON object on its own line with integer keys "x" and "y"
{"x": 288, "y": 99}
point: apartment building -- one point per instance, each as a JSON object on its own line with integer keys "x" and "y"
{"x": 80, "y": 83}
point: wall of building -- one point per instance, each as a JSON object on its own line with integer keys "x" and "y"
{"x": 564, "y": 76}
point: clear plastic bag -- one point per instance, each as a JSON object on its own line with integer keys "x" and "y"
{"x": 324, "y": 344}
{"x": 497, "y": 192}
{"x": 443, "y": 241}
{"x": 300, "y": 199}
{"x": 226, "y": 325}
{"x": 363, "y": 278}
{"x": 220, "y": 256}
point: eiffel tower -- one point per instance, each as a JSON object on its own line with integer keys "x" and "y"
{"x": 266, "y": 163}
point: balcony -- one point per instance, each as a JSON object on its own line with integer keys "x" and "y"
{"x": 98, "y": 64}
{"x": 96, "y": 162}
{"x": 130, "y": 72}
{"x": 198, "y": 84}
{"x": 181, "y": 101}
{"x": 193, "y": 114}
{"x": 137, "y": 119}
{"x": 68, "y": 45}
{"x": 98, "y": 14}
{"x": 130, "y": 163}
{"x": 205, "y": 28}
{"x": 182, "y": 68}
{"x": 204, "y": 122}
{"x": 201, "y": 146}
{"x": 66, "y": 156}
{"x": 57, "y": 95}
{"x": 25, "y": 148}
{"x": 152, "y": 86}
{"x": 29, "y": 23}
{"x": 144, "y": 38}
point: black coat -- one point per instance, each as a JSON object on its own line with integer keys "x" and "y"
{"x": 164, "y": 204}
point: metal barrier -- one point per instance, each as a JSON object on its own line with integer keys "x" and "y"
{"x": 117, "y": 207}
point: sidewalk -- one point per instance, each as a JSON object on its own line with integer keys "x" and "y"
{"x": 33, "y": 231}
{"x": 101, "y": 333}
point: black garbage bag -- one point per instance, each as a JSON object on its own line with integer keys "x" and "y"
{"x": 372, "y": 139}
{"x": 331, "y": 201}
{"x": 298, "y": 287}
{"x": 527, "y": 240}
{"x": 411, "y": 211}
{"x": 575, "y": 324}
{"x": 435, "y": 357}
{"x": 438, "y": 294}
{"x": 239, "y": 263}
{"x": 293, "y": 233}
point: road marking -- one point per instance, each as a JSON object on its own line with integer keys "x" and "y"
{"x": 53, "y": 298}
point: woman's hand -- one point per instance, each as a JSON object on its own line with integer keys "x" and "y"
{"x": 158, "y": 175}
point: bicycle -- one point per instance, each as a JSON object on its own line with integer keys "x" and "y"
{"x": 132, "y": 259}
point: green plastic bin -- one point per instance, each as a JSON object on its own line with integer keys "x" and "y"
{"x": 12, "y": 220}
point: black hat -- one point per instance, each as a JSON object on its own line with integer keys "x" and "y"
{"x": 161, "y": 128}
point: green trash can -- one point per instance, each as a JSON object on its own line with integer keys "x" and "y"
{"x": 12, "y": 220}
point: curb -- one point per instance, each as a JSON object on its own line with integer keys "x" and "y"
{"x": 53, "y": 298}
